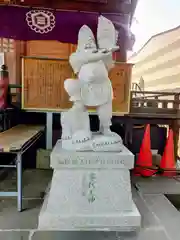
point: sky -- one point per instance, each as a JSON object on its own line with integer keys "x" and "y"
{"x": 154, "y": 16}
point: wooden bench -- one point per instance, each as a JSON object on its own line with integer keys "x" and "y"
{"x": 18, "y": 140}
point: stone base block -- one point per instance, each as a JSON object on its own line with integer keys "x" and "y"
{"x": 63, "y": 159}
{"x": 90, "y": 191}
{"x": 124, "y": 221}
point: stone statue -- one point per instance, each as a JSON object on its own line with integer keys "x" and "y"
{"x": 92, "y": 88}
{"x": 91, "y": 178}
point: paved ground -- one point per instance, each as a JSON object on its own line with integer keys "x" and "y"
{"x": 160, "y": 219}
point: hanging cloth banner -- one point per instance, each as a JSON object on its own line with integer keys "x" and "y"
{"x": 41, "y": 24}
{"x": 36, "y": 24}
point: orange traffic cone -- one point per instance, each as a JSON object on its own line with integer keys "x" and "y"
{"x": 168, "y": 159}
{"x": 145, "y": 156}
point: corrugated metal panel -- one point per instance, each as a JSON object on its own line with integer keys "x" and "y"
{"x": 159, "y": 62}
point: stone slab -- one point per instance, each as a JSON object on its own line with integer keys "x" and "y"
{"x": 61, "y": 158}
{"x": 89, "y": 235}
{"x": 14, "y": 235}
{"x": 10, "y": 218}
{"x": 157, "y": 185}
{"x": 149, "y": 221}
{"x": 165, "y": 213}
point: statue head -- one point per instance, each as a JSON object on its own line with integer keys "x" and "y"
{"x": 89, "y": 50}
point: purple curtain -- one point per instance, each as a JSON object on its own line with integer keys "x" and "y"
{"x": 62, "y": 26}
{"x": 34, "y": 24}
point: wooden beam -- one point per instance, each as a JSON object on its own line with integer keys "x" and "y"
{"x": 93, "y": 1}
{"x": 112, "y": 6}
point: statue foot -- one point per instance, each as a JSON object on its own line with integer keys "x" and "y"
{"x": 113, "y": 137}
{"x": 81, "y": 137}
{"x": 66, "y": 136}
{"x": 107, "y": 143}
{"x": 108, "y": 132}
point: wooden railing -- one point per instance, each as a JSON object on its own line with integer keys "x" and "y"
{"x": 137, "y": 91}
{"x": 163, "y": 103}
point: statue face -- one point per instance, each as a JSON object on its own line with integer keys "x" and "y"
{"x": 94, "y": 72}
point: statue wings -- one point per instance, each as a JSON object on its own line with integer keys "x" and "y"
{"x": 106, "y": 36}
{"x": 86, "y": 39}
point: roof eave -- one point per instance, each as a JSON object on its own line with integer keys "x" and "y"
{"x": 133, "y": 8}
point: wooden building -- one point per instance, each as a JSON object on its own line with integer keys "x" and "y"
{"x": 157, "y": 63}
{"x": 121, "y": 11}
{"x": 33, "y": 42}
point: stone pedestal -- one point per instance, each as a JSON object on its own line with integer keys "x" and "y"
{"x": 90, "y": 191}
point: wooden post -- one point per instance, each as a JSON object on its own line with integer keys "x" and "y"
{"x": 4, "y": 83}
{"x": 165, "y": 105}
{"x": 175, "y": 126}
{"x": 128, "y": 132}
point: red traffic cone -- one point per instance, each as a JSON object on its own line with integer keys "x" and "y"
{"x": 145, "y": 156}
{"x": 168, "y": 158}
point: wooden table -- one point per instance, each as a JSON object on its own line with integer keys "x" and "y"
{"x": 18, "y": 140}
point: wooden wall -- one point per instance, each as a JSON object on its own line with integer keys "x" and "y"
{"x": 47, "y": 49}
{"x": 12, "y": 57}
{"x": 15, "y": 50}
{"x": 51, "y": 49}
{"x": 43, "y": 81}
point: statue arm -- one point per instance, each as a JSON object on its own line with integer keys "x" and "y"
{"x": 77, "y": 60}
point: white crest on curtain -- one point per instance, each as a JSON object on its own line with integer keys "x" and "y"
{"x": 41, "y": 21}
